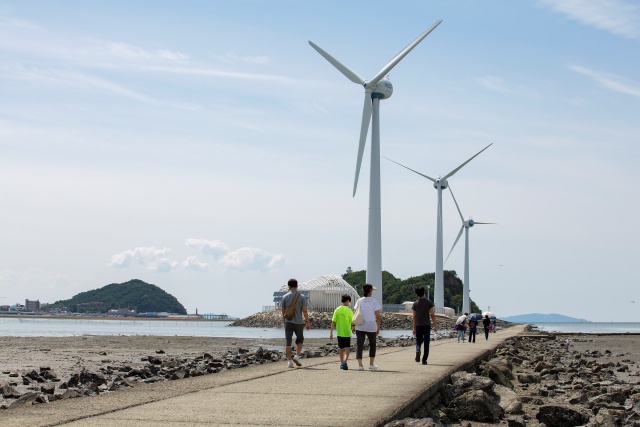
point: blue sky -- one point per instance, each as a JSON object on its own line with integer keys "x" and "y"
{"x": 205, "y": 147}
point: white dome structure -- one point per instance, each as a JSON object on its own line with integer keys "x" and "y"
{"x": 323, "y": 293}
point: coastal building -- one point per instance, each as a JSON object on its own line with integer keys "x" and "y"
{"x": 323, "y": 293}
{"x": 31, "y": 305}
{"x": 121, "y": 312}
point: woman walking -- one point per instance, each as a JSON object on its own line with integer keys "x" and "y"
{"x": 370, "y": 328}
{"x": 461, "y": 323}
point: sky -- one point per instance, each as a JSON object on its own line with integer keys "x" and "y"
{"x": 206, "y": 148}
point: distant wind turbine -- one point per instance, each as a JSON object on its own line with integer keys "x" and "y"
{"x": 374, "y": 90}
{"x": 440, "y": 184}
{"x": 466, "y": 225}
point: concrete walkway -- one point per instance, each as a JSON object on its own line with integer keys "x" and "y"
{"x": 318, "y": 394}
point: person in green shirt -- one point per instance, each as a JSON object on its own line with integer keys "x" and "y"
{"x": 341, "y": 321}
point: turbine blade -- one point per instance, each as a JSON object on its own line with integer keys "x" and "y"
{"x": 475, "y": 222}
{"x": 348, "y": 72}
{"x": 454, "y": 243}
{"x": 421, "y": 174}
{"x": 456, "y": 202}
{"x": 364, "y": 130}
{"x": 385, "y": 70}
{"x": 460, "y": 167}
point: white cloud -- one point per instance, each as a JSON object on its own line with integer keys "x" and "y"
{"x": 609, "y": 82}
{"x": 616, "y": 16}
{"x": 497, "y": 84}
{"x": 232, "y": 57}
{"x": 214, "y": 248}
{"x": 192, "y": 263}
{"x": 252, "y": 259}
{"x": 148, "y": 256}
{"x": 127, "y": 51}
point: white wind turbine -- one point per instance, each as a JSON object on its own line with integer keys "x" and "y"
{"x": 375, "y": 89}
{"x": 440, "y": 184}
{"x": 466, "y": 225}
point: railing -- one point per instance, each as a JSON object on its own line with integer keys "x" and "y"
{"x": 393, "y": 308}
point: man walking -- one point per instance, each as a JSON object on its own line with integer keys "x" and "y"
{"x": 298, "y": 306}
{"x": 422, "y": 311}
{"x": 341, "y": 321}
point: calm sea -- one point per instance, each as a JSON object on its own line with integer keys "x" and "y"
{"x": 590, "y": 327}
{"x": 34, "y": 327}
{"x": 37, "y": 327}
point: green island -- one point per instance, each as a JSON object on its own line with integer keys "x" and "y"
{"x": 134, "y": 295}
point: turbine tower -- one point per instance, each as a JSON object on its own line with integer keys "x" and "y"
{"x": 440, "y": 184}
{"x": 375, "y": 89}
{"x": 466, "y": 225}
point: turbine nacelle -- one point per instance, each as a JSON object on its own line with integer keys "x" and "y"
{"x": 381, "y": 90}
{"x": 440, "y": 183}
{"x": 469, "y": 223}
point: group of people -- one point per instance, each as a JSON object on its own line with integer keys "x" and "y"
{"x": 342, "y": 322}
{"x": 465, "y": 322}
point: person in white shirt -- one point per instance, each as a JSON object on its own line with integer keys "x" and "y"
{"x": 370, "y": 328}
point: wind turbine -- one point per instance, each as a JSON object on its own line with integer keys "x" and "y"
{"x": 466, "y": 225}
{"x": 375, "y": 89}
{"x": 440, "y": 184}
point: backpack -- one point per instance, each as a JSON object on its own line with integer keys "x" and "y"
{"x": 290, "y": 311}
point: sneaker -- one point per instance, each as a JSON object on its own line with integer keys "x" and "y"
{"x": 290, "y": 363}
{"x": 360, "y": 368}
{"x": 296, "y": 360}
{"x": 346, "y": 367}
{"x": 373, "y": 367}
{"x": 424, "y": 362}
{"x": 342, "y": 365}
{"x": 417, "y": 356}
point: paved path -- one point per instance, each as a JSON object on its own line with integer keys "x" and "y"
{"x": 318, "y": 394}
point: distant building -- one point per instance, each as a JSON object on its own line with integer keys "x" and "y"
{"x": 121, "y": 312}
{"x": 5, "y": 307}
{"x": 31, "y": 305}
{"x": 323, "y": 293}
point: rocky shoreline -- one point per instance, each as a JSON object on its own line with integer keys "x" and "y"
{"x": 541, "y": 379}
{"x": 389, "y": 321}
{"x": 46, "y": 383}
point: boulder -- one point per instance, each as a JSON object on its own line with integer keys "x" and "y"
{"x": 497, "y": 376}
{"x": 474, "y": 406}
{"x": 508, "y": 400}
{"x": 560, "y": 416}
{"x": 605, "y": 418}
{"x": 463, "y": 382}
{"x": 9, "y": 392}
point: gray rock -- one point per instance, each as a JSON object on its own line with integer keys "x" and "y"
{"x": 605, "y": 418}
{"x": 497, "y": 376}
{"x": 415, "y": 422}
{"x": 474, "y": 406}
{"x": 26, "y": 399}
{"x": 9, "y": 392}
{"x": 528, "y": 378}
{"x": 463, "y": 382}
{"x": 516, "y": 421}
{"x": 560, "y": 416}
{"x": 508, "y": 400}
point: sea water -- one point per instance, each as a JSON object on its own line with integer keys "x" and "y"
{"x": 590, "y": 327}
{"x": 48, "y": 327}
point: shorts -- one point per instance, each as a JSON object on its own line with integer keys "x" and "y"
{"x": 289, "y": 329}
{"x": 344, "y": 342}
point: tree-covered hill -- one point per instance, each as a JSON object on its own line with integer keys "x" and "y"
{"x": 397, "y": 291}
{"x": 133, "y": 295}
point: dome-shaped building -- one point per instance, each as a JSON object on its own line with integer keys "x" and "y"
{"x": 323, "y": 293}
